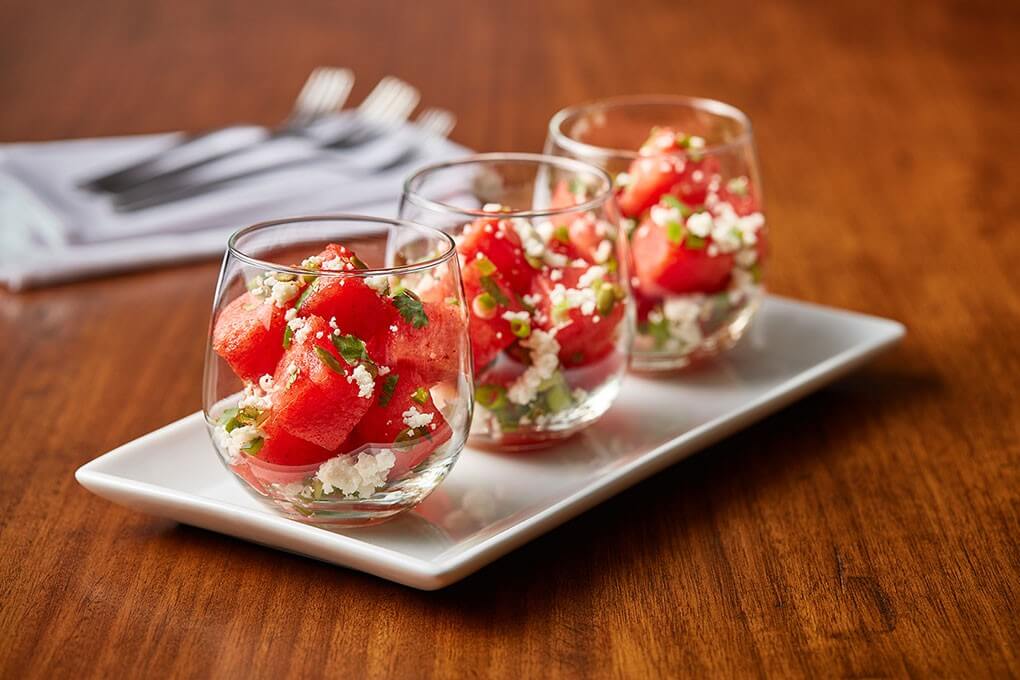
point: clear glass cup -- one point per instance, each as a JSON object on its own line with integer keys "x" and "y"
{"x": 687, "y": 182}
{"x": 545, "y": 276}
{"x": 332, "y": 389}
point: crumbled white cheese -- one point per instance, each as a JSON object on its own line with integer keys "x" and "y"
{"x": 544, "y": 351}
{"x": 362, "y": 476}
{"x": 604, "y": 251}
{"x": 300, "y": 328}
{"x": 283, "y": 292}
{"x": 366, "y": 384}
{"x": 313, "y": 262}
{"x": 414, "y": 418}
{"x": 255, "y": 396}
{"x": 291, "y": 313}
{"x": 555, "y": 275}
{"x": 516, "y": 316}
{"x": 379, "y": 284}
{"x": 232, "y": 443}
{"x": 593, "y": 274}
{"x": 266, "y": 383}
{"x": 623, "y": 179}
{"x": 663, "y": 215}
{"x": 747, "y": 257}
{"x": 564, "y": 299}
{"x": 545, "y": 229}
{"x": 695, "y": 142}
{"x": 700, "y": 224}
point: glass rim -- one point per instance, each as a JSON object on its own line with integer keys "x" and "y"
{"x": 713, "y": 106}
{"x": 451, "y": 248}
{"x": 573, "y": 164}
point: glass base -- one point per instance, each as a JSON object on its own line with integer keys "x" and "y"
{"x": 723, "y": 335}
{"x": 486, "y": 432}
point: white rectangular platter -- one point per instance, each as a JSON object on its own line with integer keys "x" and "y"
{"x": 492, "y": 503}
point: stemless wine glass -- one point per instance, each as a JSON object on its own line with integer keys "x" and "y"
{"x": 545, "y": 269}
{"x": 332, "y": 388}
{"x": 687, "y": 183}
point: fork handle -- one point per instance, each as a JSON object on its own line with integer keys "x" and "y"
{"x": 190, "y": 151}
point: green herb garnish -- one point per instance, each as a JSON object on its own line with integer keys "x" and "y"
{"x": 492, "y": 288}
{"x": 228, "y": 419}
{"x": 288, "y": 336}
{"x": 351, "y": 348}
{"x": 485, "y": 266}
{"x": 491, "y": 396}
{"x": 674, "y": 202}
{"x": 694, "y": 242}
{"x": 328, "y": 359}
{"x": 388, "y": 386}
{"x": 421, "y": 395}
{"x": 410, "y": 307}
{"x": 253, "y": 447}
{"x": 304, "y": 294}
{"x": 675, "y": 233}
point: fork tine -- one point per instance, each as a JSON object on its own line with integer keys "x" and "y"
{"x": 404, "y": 101}
{"x": 339, "y": 82}
{"x": 379, "y": 96}
{"x": 436, "y": 121}
{"x": 310, "y": 90}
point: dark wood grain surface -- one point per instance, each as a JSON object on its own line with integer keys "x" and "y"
{"x": 873, "y": 529}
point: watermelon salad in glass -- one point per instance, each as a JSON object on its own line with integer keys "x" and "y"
{"x": 686, "y": 181}
{"x": 333, "y": 388}
{"x": 546, "y": 287}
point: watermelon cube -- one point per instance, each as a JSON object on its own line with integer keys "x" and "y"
{"x": 490, "y": 333}
{"x": 317, "y": 396}
{"x": 584, "y": 338}
{"x": 248, "y": 334}
{"x": 497, "y": 240}
{"x": 663, "y": 266}
{"x": 402, "y": 399}
{"x": 357, "y": 307}
{"x": 434, "y": 349}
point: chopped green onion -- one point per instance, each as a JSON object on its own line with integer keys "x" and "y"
{"x": 605, "y": 300}
{"x": 485, "y": 266}
{"x": 491, "y": 396}
{"x": 421, "y": 395}
{"x": 493, "y": 289}
{"x": 520, "y": 327}
{"x": 675, "y": 233}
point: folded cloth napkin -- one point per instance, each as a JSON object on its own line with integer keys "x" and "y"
{"x": 52, "y": 231}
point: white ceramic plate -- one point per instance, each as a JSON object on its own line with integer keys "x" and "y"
{"x": 493, "y": 503}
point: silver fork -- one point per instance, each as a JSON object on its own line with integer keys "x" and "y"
{"x": 325, "y": 91}
{"x": 386, "y": 105}
{"x": 387, "y": 154}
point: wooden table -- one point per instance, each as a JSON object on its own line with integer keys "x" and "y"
{"x": 872, "y": 529}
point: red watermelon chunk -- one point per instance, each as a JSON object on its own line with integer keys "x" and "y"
{"x": 497, "y": 240}
{"x": 435, "y": 348}
{"x": 358, "y": 308}
{"x": 248, "y": 334}
{"x": 321, "y": 405}
{"x": 396, "y": 393}
{"x": 668, "y": 166}
{"x": 582, "y": 339}
{"x": 490, "y": 333}
{"x": 282, "y": 448}
{"x": 663, "y": 266}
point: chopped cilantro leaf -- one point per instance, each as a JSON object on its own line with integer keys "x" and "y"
{"x": 351, "y": 348}
{"x": 410, "y": 307}
{"x": 328, "y": 359}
